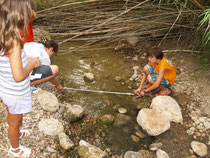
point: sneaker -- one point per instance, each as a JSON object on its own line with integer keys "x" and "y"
{"x": 34, "y": 89}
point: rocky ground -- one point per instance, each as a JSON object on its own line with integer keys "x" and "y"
{"x": 191, "y": 91}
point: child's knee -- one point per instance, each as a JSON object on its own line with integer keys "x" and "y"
{"x": 149, "y": 79}
{"x": 146, "y": 70}
{"x": 55, "y": 69}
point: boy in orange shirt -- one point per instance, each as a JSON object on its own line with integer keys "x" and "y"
{"x": 158, "y": 72}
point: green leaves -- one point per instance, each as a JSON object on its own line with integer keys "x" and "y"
{"x": 205, "y": 23}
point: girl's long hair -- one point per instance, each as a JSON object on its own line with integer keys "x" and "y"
{"x": 14, "y": 18}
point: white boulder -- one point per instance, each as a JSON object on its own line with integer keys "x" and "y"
{"x": 167, "y": 106}
{"x": 153, "y": 122}
{"x": 48, "y": 101}
{"x": 51, "y": 126}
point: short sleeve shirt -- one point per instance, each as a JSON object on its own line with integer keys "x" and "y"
{"x": 35, "y": 49}
{"x": 170, "y": 75}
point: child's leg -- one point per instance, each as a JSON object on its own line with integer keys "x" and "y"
{"x": 148, "y": 70}
{"x": 14, "y": 121}
{"x": 163, "y": 85}
{"x": 49, "y": 73}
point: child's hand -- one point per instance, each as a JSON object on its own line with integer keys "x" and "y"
{"x": 137, "y": 91}
{"x": 142, "y": 93}
{"x": 35, "y": 61}
{"x": 59, "y": 87}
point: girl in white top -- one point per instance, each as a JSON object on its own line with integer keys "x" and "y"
{"x": 14, "y": 70}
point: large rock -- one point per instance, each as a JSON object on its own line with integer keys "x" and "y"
{"x": 87, "y": 150}
{"x": 73, "y": 112}
{"x": 199, "y": 148}
{"x": 168, "y": 107}
{"x": 51, "y": 126}
{"x": 65, "y": 142}
{"x": 48, "y": 101}
{"x": 152, "y": 121}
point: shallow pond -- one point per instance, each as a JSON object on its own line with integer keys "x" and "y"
{"x": 111, "y": 74}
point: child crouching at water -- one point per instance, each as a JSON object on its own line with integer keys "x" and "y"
{"x": 14, "y": 70}
{"x": 159, "y": 72}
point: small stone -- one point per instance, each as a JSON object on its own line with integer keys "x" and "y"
{"x": 155, "y": 146}
{"x": 107, "y": 119}
{"x": 65, "y": 142}
{"x": 199, "y": 148}
{"x": 122, "y": 110}
{"x": 139, "y": 134}
{"x": 191, "y": 151}
{"x": 88, "y": 77}
{"x": 161, "y": 154}
{"x": 135, "y": 138}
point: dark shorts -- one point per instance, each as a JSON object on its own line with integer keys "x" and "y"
{"x": 41, "y": 72}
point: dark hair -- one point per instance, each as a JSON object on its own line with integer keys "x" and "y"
{"x": 155, "y": 52}
{"x": 14, "y": 18}
{"x": 51, "y": 43}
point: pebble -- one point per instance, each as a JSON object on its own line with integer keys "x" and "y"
{"x": 122, "y": 110}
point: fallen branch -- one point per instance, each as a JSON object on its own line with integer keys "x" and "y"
{"x": 81, "y": 50}
{"x": 199, "y": 5}
{"x": 89, "y": 33}
{"x": 185, "y": 51}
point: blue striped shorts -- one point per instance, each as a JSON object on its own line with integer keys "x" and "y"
{"x": 154, "y": 76}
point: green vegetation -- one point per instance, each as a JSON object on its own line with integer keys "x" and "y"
{"x": 205, "y": 23}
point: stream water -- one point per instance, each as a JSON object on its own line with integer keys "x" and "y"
{"x": 106, "y": 66}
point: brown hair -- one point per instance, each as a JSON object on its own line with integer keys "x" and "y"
{"x": 51, "y": 43}
{"x": 155, "y": 52}
{"x": 14, "y": 18}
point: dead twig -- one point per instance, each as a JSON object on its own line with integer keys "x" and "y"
{"x": 199, "y": 5}
{"x": 178, "y": 51}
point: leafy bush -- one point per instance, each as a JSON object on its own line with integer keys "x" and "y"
{"x": 205, "y": 23}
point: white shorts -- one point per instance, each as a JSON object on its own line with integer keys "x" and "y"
{"x": 18, "y": 105}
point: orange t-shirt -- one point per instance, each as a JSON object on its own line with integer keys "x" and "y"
{"x": 170, "y": 75}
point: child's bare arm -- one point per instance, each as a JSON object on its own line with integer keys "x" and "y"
{"x": 19, "y": 73}
{"x": 137, "y": 91}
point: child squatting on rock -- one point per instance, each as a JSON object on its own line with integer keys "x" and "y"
{"x": 14, "y": 70}
{"x": 159, "y": 72}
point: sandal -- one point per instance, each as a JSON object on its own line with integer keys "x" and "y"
{"x": 23, "y": 153}
{"x": 25, "y": 133}
{"x": 164, "y": 94}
